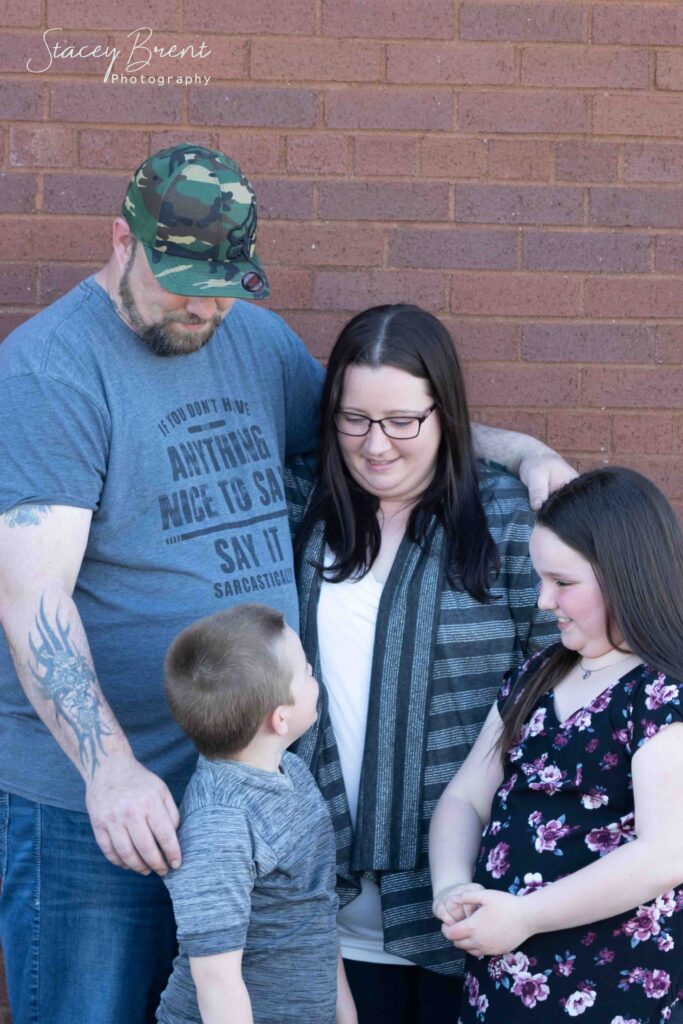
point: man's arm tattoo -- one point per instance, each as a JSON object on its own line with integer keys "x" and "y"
{"x": 66, "y": 678}
{"x": 26, "y": 515}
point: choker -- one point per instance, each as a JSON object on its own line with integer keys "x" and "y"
{"x": 586, "y": 673}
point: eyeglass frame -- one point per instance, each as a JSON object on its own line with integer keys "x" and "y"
{"x": 420, "y": 420}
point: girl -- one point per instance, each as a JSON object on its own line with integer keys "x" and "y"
{"x": 576, "y": 778}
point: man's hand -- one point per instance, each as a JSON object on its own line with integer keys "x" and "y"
{"x": 133, "y": 816}
{"x": 498, "y": 925}
{"x": 543, "y": 474}
{"x": 446, "y": 906}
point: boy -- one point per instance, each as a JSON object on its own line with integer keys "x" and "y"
{"x": 254, "y": 896}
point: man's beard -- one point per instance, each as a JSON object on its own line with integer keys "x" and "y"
{"x": 163, "y": 338}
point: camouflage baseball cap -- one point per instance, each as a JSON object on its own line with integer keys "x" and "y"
{"x": 195, "y": 214}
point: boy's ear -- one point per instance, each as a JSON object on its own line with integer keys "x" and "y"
{"x": 278, "y": 720}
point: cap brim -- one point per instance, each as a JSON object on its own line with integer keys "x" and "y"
{"x": 182, "y": 276}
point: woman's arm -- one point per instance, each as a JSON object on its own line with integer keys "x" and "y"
{"x": 635, "y": 873}
{"x": 539, "y": 467}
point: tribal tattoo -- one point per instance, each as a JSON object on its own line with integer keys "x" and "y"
{"x": 67, "y": 679}
{"x": 26, "y": 515}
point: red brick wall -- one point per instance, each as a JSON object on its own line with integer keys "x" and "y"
{"x": 514, "y": 166}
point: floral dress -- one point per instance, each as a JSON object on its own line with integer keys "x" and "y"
{"x": 567, "y": 799}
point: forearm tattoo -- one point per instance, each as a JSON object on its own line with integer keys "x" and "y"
{"x": 26, "y": 515}
{"x": 65, "y": 677}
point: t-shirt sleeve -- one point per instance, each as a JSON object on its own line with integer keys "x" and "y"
{"x": 303, "y": 387}
{"x": 211, "y": 890}
{"x": 657, "y": 703}
{"x": 55, "y": 443}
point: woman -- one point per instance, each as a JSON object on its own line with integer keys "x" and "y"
{"x": 416, "y": 594}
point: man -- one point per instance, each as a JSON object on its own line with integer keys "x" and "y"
{"x": 144, "y": 418}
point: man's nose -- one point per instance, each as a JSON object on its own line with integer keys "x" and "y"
{"x": 203, "y": 306}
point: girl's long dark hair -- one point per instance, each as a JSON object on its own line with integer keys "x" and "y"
{"x": 413, "y": 340}
{"x": 623, "y": 525}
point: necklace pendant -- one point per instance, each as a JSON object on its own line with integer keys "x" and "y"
{"x": 586, "y": 672}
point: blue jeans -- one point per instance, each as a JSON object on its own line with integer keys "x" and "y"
{"x": 84, "y": 942}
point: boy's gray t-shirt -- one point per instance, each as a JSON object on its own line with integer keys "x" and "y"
{"x": 258, "y": 874}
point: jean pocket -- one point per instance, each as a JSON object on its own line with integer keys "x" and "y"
{"x": 4, "y": 822}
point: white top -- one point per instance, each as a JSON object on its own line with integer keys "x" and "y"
{"x": 347, "y": 615}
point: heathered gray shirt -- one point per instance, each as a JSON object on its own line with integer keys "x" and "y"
{"x": 258, "y": 874}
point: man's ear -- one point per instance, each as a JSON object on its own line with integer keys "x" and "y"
{"x": 122, "y": 240}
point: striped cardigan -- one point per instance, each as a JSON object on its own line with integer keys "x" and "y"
{"x": 437, "y": 666}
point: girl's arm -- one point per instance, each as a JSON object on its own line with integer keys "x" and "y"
{"x": 634, "y": 874}
{"x": 459, "y": 819}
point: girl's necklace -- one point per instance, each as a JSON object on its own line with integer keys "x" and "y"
{"x": 588, "y": 672}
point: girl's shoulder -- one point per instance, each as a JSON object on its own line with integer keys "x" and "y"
{"x": 518, "y": 676}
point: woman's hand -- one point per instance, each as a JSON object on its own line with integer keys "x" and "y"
{"x": 448, "y": 908}
{"x": 496, "y": 924}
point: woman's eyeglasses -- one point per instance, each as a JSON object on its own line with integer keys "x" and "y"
{"x": 399, "y": 428}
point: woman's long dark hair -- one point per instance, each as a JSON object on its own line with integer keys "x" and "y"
{"x": 623, "y": 525}
{"x": 415, "y": 341}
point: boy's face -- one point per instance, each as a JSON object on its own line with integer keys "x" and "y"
{"x": 303, "y": 710}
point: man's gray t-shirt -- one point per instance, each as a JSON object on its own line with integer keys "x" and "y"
{"x": 180, "y": 460}
{"x": 258, "y": 874}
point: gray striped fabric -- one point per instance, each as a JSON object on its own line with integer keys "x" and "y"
{"x": 438, "y": 664}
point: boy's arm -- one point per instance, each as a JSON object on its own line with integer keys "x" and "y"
{"x": 346, "y": 1008}
{"x": 539, "y": 467}
{"x": 221, "y": 993}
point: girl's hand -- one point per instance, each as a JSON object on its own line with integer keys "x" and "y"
{"x": 497, "y": 925}
{"x": 448, "y": 908}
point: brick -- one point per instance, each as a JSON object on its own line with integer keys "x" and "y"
{"x": 56, "y": 279}
{"x": 8, "y": 323}
{"x": 316, "y": 244}
{"x": 518, "y": 419}
{"x": 132, "y": 104}
{"x": 537, "y": 386}
{"x": 317, "y": 153}
{"x": 650, "y": 434}
{"x": 452, "y": 158}
{"x": 260, "y": 106}
{"x": 586, "y": 161}
{"x": 111, "y": 149}
{"x": 653, "y": 161}
{"x": 17, "y": 193}
{"x": 14, "y": 15}
{"x": 291, "y": 200}
{"x": 179, "y": 136}
{"x": 84, "y": 193}
{"x": 57, "y": 238}
{"x": 635, "y": 114}
{"x": 594, "y": 251}
{"x": 509, "y": 111}
{"x": 666, "y": 472}
{"x": 450, "y": 64}
{"x": 17, "y": 283}
{"x": 656, "y": 297}
{"x": 21, "y": 101}
{"x": 636, "y": 207}
{"x": 388, "y": 201}
{"x": 669, "y": 345}
{"x": 478, "y": 340}
{"x": 466, "y": 249}
{"x": 517, "y": 22}
{"x": 373, "y": 154}
{"x": 356, "y": 290}
{"x": 638, "y": 23}
{"x": 237, "y": 18}
{"x": 386, "y": 108}
{"x": 220, "y": 57}
{"x": 386, "y": 19}
{"x": 318, "y": 331}
{"x": 315, "y": 60}
{"x": 289, "y": 289}
{"x": 41, "y": 146}
{"x": 678, "y": 428}
{"x": 101, "y": 14}
{"x": 518, "y": 204}
{"x": 669, "y": 73}
{"x": 669, "y": 254}
{"x": 256, "y": 153}
{"x": 578, "y": 431}
{"x": 588, "y": 343}
{"x": 519, "y": 159}
{"x": 500, "y": 294}
{"x": 576, "y": 67}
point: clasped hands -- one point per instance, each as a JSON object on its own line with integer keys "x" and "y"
{"x": 483, "y": 922}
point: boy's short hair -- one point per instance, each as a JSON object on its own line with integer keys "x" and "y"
{"x": 224, "y": 674}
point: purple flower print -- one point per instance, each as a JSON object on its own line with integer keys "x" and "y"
{"x": 644, "y": 925}
{"x": 532, "y": 882}
{"x": 609, "y": 760}
{"x": 595, "y": 797}
{"x": 665, "y": 942}
{"x": 656, "y": 984}
{"x": 481, "y": 1007}
{"x": 472, "y": 989}
{"x": 531, "y": 988}
{"x": 495, "y": 968}
{"x": 588, "y": 939}
{"x": 548, "y": 835}
{"x": 578, "y": 1002}
{"x": 624, "y": 1020}
{"x": 498, "y": 863}
{"x": 601, "y": 702}
{"x": 659, "y": 693}
{"x": 649, "y": 728}
{"x": 622, "y": 736}
{"x": 515, "y": 963}
{"x": 535, "y": 818}
{"x": 592, "y": 745}
{"x": 582, "y": 719}
{"x": 536, "y": 724}
{"x": 666, "y": 903}
{"x": 564, "y": 965}
{"x": 561, "y": 740}
{"x": 506, "y": 789}
{"x": 549, "y": 780}
{"x": 604, "y": 840}
{"x": 605, "y": 956}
